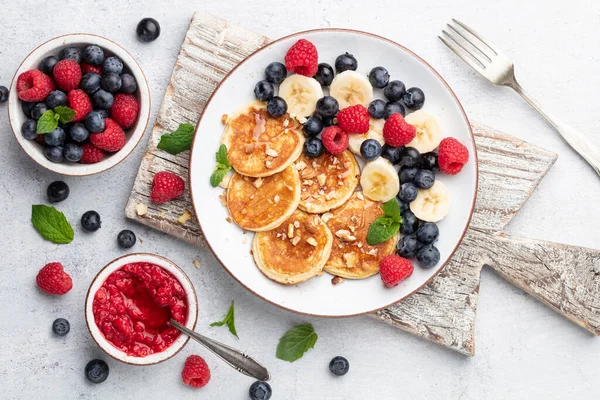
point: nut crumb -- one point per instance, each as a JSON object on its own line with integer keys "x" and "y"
{"x": 290, "y": 230}
{"x": 295, "y": 240}
{"x": 185, "y": 217}
{"x": 360, "y": 196}
{"x": 268, "y": 164}
{"x": 141, "y": 209}
{"x": 326, "y": 217}
{"x": 312, "y": 241}
{"x": 322, "y": 179}
{"x": 307, "y": 182}
{"x": 345, "y": 235}
{"x": 373, "y": 252}
{"x": 228, "y": 219}
{"x": 249, "y": 148}
{"x": 300, "y": 165}
{"x": 350, "y": 259}
{"x": 258, "y": 182}
{"x": 225, "y": 182}
{"x": 336, "y": 280}
{"x": 331, "y": 195}
{"x": 276, "y": 199}
{"x": 308, "y": 174}
{"x": 310, "y": 228}
{"x": 224, "y": 118}
{"x": 223, "y": 199}
{"x": 296, "y": 224}
{"x": 196, "y": 263}
{"x": 271, "y": 152}
{"x": 286, "y": 122}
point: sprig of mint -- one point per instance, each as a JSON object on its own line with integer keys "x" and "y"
{"x": 386, "y": 226}
{"x": 223, "y": 167}
{"x": 50, "y": 119}
{"x": 295, "y": 342}
{"x": 229, "y": 320}
{"x": 178, "y": 141}
{"x": 51, "y": 224}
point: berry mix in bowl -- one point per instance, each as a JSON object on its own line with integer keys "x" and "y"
{"x": 79, "y": 104}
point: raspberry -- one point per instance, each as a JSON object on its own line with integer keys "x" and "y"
{"x": 354, "y": 119}
{"x": 397, "y": 132}
{"x": 81, "y": 103}
{"x": 125, "y": 110}
{"x": 34, "y": 85}
{"x": 394, "y": 269}
{"x": 53, "y": 279}
{"x": 85, "y": 68}
{"x": 302, "y": 58}
{"x": 91, "y": 154}
{"x": 112, "y": 139}
{"x": 335, "y": 139}
{"x": 452, "y": 156}
{"x": 67, "y": 74}
{"x": 195, "y": 372}
{"x": 166, "y": 186}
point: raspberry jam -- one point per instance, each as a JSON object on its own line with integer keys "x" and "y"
{"x": 133, "y": 306}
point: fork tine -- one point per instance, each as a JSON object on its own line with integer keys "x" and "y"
{"x": 475, "y": 34}
{"x": 473, "y": 61}
{"x": 470, "y": 42}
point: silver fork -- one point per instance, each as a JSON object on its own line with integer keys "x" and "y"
{"x": 497, "y": 68}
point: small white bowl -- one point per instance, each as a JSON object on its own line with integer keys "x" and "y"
{"x": 108, "y": 347}
{"x": 134, "y": 134}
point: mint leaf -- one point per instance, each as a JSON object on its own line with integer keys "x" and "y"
{"x": 51, "y": 224}
{"x": 223, "y": 166}
{"x": 218, "y": 176}
{"x": 47, "y": 122}
{"x": 380, "y": 232}
{"x": 229, "y": 320}
{"x": 392, "y": 209}
{"x": 222, "y": 156}
{"x": 295, "y": 342}
{"x": 178, "y": 141}
{"x": 65, "y": 114}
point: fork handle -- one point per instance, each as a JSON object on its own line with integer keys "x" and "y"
{"x": 581, "y": 144}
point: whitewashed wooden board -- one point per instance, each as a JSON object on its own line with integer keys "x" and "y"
{"x": 564, "y": 277}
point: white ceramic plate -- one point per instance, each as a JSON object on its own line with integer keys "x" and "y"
{"x": 232, "y": 248}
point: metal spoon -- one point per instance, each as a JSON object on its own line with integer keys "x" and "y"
{"x": 241, "y": 362}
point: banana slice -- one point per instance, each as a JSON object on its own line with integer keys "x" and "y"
{"x": 433, "y": 204}
{"x": 379, "y": 180}
{"x": 350, "y": 88}
{"x": 429, "y": 133}
{"x": 375, "y": 132}
{"x": 301, "y": 94}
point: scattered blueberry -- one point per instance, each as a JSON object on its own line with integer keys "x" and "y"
{"x": 408, "y": 192}
{"x": 276, "y": 106}
{"x": 112, "y": 64}
{"x": 54, "y": 153}
{"x": 327, "y": 107}
{"x": 392, "y": 107}
{"x": 27, "y": 108}
{"x": 264, "y": 90}
{"x": 28, "y": 129}
{"x": 414, "y": 98}
{"x": 379, "y": 77}
{"x": 73, "y": 152}
{"x": 126, "y": 239}
{"x": 403, "y": 207}
{"x": 394, "y": 90}
{"x": 407, "y": 246}
{"x": 275, "y": 73}
{"x": 90, "y": 221}
{"x": 47, "y": 64}
{"x": 428, "y": 256}
{"x": 428, "y": 232}
{"x": 339, "y": 366}
{"x": 56, "y": 137}
{"x": 260, "y": 391}
{"x": 61, "y": 326}
{"x": 324, "y": 74}
{"x": 313, "y": 126}
{"x": 410, "y": 157}
{"x": 409, "y": 223}
{"x": 3, "y": 94}
{"x": 377, "y": 108}
{"x": 93, "y": 55}
{"x": 90, "y": 82}
{"x": 57, "y": 191}
{"x": 94, "y": 122}
{"x": 96, "y": 371}
{"x": 103, "y": 99}
{"x": 71, "y": 53}
{"x": 111, "y": 82}
{"x": 424, "y": 179}
{"x": 392, "y": 154}
{"x": 128, "y": 83}
{"x": 38, "y": 110}
{"x": 148, "y": 30}
{"x": 407, "y": 174}
{"x": 328, "y": 121}
{"x": 430, "y": 161}
{"x": 78, "y": 132}
{"x": 56, "y": 98}
{"x": 370, "y": 149}
{"x": 345, "y": 62}
{"x": 313, "y": 147}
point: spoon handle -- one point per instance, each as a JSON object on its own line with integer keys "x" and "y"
{"x": 240, "y": 361}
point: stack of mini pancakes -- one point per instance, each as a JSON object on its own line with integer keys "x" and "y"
{"x": 306, "y": 212}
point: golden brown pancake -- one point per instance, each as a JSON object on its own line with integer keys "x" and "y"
{"x": 351, "y": 256}
{"x": 295, "y": 251}
{"x": 327, "y": 181}
{"x": 260, "y": 204}
{"x": 260, "y": 145}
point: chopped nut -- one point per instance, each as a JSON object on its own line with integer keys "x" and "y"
{"x": 307, "y": 182}
{"x": 228, "y": 219}
{"x": 300, "y": 165}
{"x": 289, "y": 188}
{"x": 300, "y": 119}
{"x": 223, "y": 198}
{"x": 141, "y": 209}
{"x": 196, "y": 263}
{"x": 345, "y": 235}
{"x": 225, "y": 182}
{"x": 290, "y": 230}
{"x": 315, "y": 220}
{"x": 352, "y": 228}
{"x": 278, "y": 234}
{"x": 360, "y": 196}
{"x": 258, "y": 182}
{"x": 350, "y": 259}
{"x": 359, "y": 245}
{"x": 312, "y": 241}
{"x": 283, "y": 236}
{"x": 295, "y": 240}
{"x": 373, "y": 252}
{"x": 315, "y": 165}
{"x": 296, "y": 224}
{"x": 331, "y": 195}
{"x": 308, "y": 174}
{"x": 354, "y": 219}
{"x": 276, "y": 199}
{"x": 326, "y": 217}
{"x": 322, "y": 192}
{"x": 322, "y": 179}
{"x": 310, "y": 228}
{"x": 268, "y": 164}
{"x": 286, "y": 122}
{"x": 249, "y": 148}
{"x": 336, "y": 280}
{"x": 271, "y": 152}
{"x": 340, "y": 183}
{"x": 335, "y": 161}
{"x": 224, "y": 118}
{"x": 186, "y": 216}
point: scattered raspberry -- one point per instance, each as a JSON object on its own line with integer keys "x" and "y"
{"x": 34, "y": 85}
{"x": 91, "y": 154}
{"x": 397, "y": 132}
{"x": 85, "y": 68}
{"x": 452, "y": 156}
{"x": 111, "y": 139}
{"x": 67, "y": 74}
{"x": 302, "y": 58}
{"x": 40, "y": 139}
{"x": 165, "y": 187}
{"x": 195, "y": 372}
{"x": 335, "y": 139}
{"x": 53, "y": 279}
{"x": 125, "y": 110}
{"x": 354, "y": 119}
{"x": 80, "y": 102}
{"x": 394, "y": 269}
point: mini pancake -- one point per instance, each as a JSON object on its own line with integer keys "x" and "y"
{"x": 328, "y": 181}
{"x": 260, "y": 145}
{"x": 262, "y": 204}
{"x": 295, "y": 251}
{"x": 351, "y": 256}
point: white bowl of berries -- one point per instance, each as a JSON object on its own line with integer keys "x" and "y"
{"x": 79, "y": 104}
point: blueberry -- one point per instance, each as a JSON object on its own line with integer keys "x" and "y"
{"x": 128, "y": 83}
{"x": 275, "y": 72}
{"x": 430, "y": 161}
{"x": 54, "y": 153}
{"x": 276, "y": 106}
{"x": 27, "y": 108}
{"x": 409, "y": 223}
{"x": 313, "y": 126}
{"x": 28, "y": 129}
{"x": 394, "y": 90}
{"x": 71, "y": 53}
{"x": 392, "y": 154}
{"x": 260, "y": 391}
{"x": 47, "y": 64}
{"x": 57, "y": 191}
{"x": 94, "y": 122}
{"x": 424, "y": 179}
{"x": 112, "y": 64}
{"x": 126, "y": 239}
{"x": 328, "y": 121}
{"x": 103, "y": 99}
{"x": 93, "y": 55}
{"x": 111, "y": 82}
{"x": 403, "y": 207}
{"x": 428, "y": 232}
{"x": 3, "y": 94}
{"x": 96, "y": 371}
{"x": 73, "y": 152}
{"x": 392, "y": 107}
{"x": 410, "y": 157}
{"x": 327, "y": 107}
{"x": 345, "y": 62}
{"x": 56, "y": 137}
{"x": 370, "y": 149}
{"x": 407, "y": 246}
{"x": 56, "y": 98}
{"x": 61, "y": 326}
{"x": 148, "y": 30}
{"x": 38, "y": 110}
{"x": 78, "y": 132}
{"x": 264, "y": 90}
{"x": 339, "y": 366}
{"x": 103, "y": 113}
{"x": 324, "y": 74}
{"x": 377, "y": 108}
{"x": 313, "y": 147}
{"x": 407, "y": 174}
{"x": 90, "y": 82}
{"x": 90, "y": 221}
{"x": 414, "y": 98}
{"x": 379, "y": 77}
{"x": 408, "y": 192}
{"x": 428, "y": 256}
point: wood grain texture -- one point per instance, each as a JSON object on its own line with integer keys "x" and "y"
{"x": 443, "y": 311}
